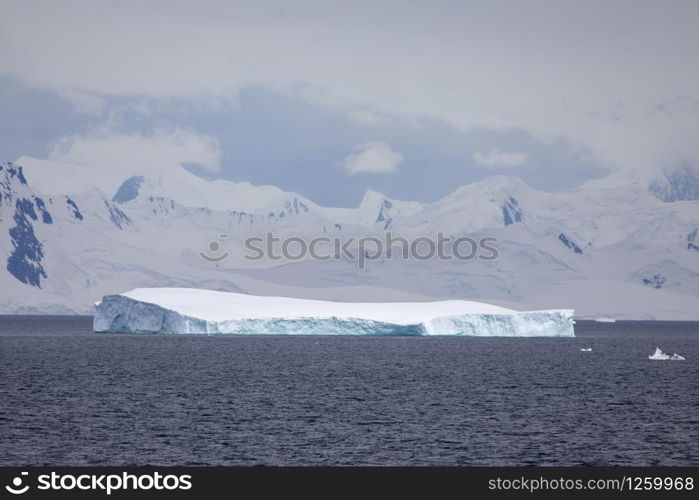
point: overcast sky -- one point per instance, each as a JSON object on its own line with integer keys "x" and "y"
{"x": 330, "y": 98}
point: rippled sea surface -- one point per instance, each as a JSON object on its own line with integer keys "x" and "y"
{"x": 70, "y": 396}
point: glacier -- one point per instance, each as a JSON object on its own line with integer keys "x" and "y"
{"x": 189, "y": 310}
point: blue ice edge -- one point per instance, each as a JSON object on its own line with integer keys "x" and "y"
{"x": 121, "y": 314}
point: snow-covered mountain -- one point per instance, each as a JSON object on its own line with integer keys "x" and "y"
{"x": 68, "y": 236}
{"x": 680, "y": 184}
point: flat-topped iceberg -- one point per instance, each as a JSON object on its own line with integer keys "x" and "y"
{"x": 188, "y": 310}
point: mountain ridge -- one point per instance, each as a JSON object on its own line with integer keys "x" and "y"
{"x": 62, "y": 252}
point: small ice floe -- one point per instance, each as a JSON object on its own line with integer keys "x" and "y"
{"x": 659, "y": 355}
{"x": 676, "y": 357}
{"x": 605, "y": 320}
{"x": 586, "y": 349}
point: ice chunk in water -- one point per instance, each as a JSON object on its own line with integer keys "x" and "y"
{"x": 659, "y": 355}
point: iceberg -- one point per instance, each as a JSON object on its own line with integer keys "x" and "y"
{"x": 676, "y": 357}
{"x": 605, "y": 320}
{"x": 659, "y": 355}
{"x": 586, "y": 349}
{"x": 188, "y": 310}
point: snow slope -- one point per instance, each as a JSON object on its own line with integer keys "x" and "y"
{"x": 183, "y": 310}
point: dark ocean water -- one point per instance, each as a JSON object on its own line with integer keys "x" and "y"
{"x": 70, "y": 396}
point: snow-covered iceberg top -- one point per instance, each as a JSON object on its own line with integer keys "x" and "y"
{"x": 189, "y": 310}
